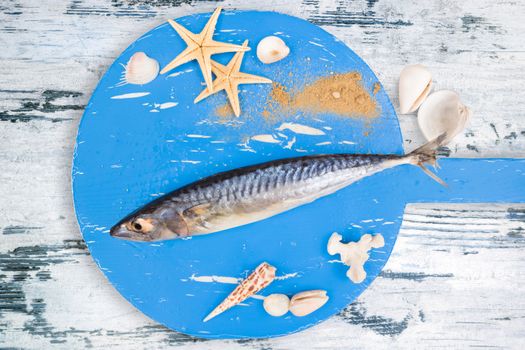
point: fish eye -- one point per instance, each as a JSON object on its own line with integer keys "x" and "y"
{"x": 142, "y": 225}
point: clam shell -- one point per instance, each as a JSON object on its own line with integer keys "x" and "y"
{"x": 141, "y": 69}
{"x": 415, "y": 83}
{"x": 272, "y": 49}
{"x": 262, "y": 276}
{"x": 276, "y": 304}
{"x": 305, "y": 303}
{"x": 442, "y": 112}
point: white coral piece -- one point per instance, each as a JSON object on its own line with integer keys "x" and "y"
{"x": 354, "y": 254}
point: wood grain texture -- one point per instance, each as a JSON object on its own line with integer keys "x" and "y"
{"x": 456, "y": 276}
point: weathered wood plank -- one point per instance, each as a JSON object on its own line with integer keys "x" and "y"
{"x": 455, "y": 277}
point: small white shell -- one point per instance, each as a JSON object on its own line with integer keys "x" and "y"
{"x": 305, "y": 303}
{"x": 141, "y": 69}
{"x": 276, "y": 304}
{"x": 415, "y": 82}
{"x": 272, "y": 49}
{"x": 442, "y": 112}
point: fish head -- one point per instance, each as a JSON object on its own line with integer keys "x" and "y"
{"x": 149, "y": 228}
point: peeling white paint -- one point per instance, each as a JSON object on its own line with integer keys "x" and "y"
{"x": 167, "y": 105}
{"x": 176, "y": 74}
{"x": 197, "y": 136}
{"x": 267, "y": 138}
{"x": 217, "y": 279}
{"x": 287, "y": 276}
{"x": 130, "y": 95}
{"x": 345, "y": 142}
{"x": 301, "y": 129}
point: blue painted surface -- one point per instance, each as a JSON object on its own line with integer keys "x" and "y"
{"x": 488, "y": 180}
{"x": 496, "y": 180}
{"x": 129, "y": 151}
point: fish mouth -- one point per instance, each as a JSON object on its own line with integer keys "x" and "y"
{"x": 120, "y": 231}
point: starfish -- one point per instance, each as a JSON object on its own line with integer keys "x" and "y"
{"x": 200, "y": 47}
{"x": 229, "y": 78}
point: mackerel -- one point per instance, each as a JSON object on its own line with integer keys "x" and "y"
{"x": 253, "y": 193}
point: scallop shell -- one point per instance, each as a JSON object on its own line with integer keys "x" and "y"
{"x": 442, "y": 112}
{"x": 141, "y": 69}
{"x": 305, "y": 303}
{"x": 261, "y": 277}
{"x": 415, "y": 82}
{"x": 276, "y": 304}
{"x": 272, "y": 49}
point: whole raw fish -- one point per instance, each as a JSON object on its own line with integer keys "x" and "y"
{"x": 245, "y": 195}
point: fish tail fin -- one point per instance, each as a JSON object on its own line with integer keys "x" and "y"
{"x": 428, "y": 154}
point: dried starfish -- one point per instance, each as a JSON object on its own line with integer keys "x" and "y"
{"x": 229, "y": 78}
{"x": 200, "y": 47}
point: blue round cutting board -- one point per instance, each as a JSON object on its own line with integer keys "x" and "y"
{"x": 136, "y": 143}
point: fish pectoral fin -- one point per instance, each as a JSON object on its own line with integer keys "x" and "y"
{"x": 197, "y": 217}
{"x": 196, "y": 211}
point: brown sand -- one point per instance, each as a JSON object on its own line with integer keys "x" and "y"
{"x": 280, "y": 95}
{"x": 224, "y": 111}
{"x": 341, "y": 94}
{"x": 377, "y": 87}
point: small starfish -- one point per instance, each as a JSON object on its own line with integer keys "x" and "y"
{"x": 229, "y": 78}
{"x": 200, "y": 47}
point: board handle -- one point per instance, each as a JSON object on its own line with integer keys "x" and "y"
{"x": 485, "y": 180}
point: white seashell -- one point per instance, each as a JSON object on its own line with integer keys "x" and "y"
{"x": 262, "y": 276}
{"x": 305, "y": 303}
{"x": 276, "y": 304}
{"x": 141, "y": 69}
{"x": 415, "y": 82}
{"x": 442, "y": 112}
{"x": 272, "y": 49}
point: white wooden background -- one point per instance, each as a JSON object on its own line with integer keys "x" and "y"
{"x": 457, "y": 274}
